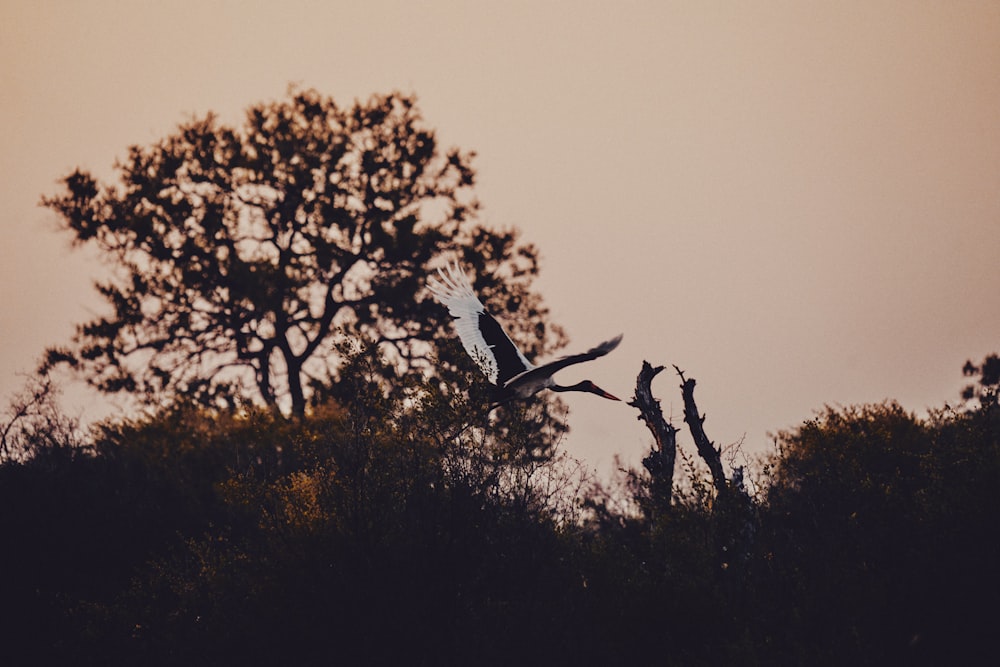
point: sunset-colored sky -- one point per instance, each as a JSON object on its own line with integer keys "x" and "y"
{"x": 798, "y": 203}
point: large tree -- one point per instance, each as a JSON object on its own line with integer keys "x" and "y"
{"x": 241, "y": 254}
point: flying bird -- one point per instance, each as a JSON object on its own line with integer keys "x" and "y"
{"x": 492, "y": 349}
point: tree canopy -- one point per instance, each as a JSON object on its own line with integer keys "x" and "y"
{"x": 240, "y": 253}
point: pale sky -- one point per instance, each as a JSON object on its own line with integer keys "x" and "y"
{"x": 798, "y": 203}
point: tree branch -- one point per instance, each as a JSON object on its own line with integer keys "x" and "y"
{"x": 695, "y": 421}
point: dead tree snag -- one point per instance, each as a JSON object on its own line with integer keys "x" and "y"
{"x": 660, "y": 461}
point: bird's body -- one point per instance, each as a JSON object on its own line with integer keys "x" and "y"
{"x": 492, "y": 349}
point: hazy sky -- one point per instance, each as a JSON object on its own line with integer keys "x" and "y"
{"x": 798, "y": 203}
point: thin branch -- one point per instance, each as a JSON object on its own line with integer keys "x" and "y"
{"x": 19, "y": 409}
{"x": 695, "y": 421}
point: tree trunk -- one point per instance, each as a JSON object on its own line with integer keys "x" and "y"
{"x": 295, "y": 391}
{"x": 660, "y": 461}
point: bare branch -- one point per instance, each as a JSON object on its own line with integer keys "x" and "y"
{"x": 695, "y": 421}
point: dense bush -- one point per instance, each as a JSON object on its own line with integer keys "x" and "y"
{"x": 387, "y": 530}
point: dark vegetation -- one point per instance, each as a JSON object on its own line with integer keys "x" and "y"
{"x": 363, "y": 533}
{"x": 370, "y": 512}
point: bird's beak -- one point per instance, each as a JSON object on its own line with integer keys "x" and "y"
{"x": 600, "y": 392}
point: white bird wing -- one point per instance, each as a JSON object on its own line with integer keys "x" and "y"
{"x": 481, "y": 335}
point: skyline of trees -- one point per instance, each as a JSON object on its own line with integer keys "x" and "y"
{"x": 369, "y": 531}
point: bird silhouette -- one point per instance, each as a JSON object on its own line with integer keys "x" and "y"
{"x": 503, "y": 364}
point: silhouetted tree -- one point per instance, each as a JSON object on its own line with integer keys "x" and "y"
{"x": 988, "y": 380}
{"x": 329, "y": 531}
{"x": 33, "y": 423}
{"x": 881, "y": 537}
{"x": 241, "y": 253}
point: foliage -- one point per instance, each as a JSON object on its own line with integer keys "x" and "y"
{"x": 883, "y": 535}
{"x": 242, "y": 254}
{"x": 988, "y": 382}
{"x": 384, "y": 527}
{"x": 241, "y": 525}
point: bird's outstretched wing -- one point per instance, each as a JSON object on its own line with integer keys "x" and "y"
{"x": 562, "y": 362}
{"x": 481, "y": 335}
